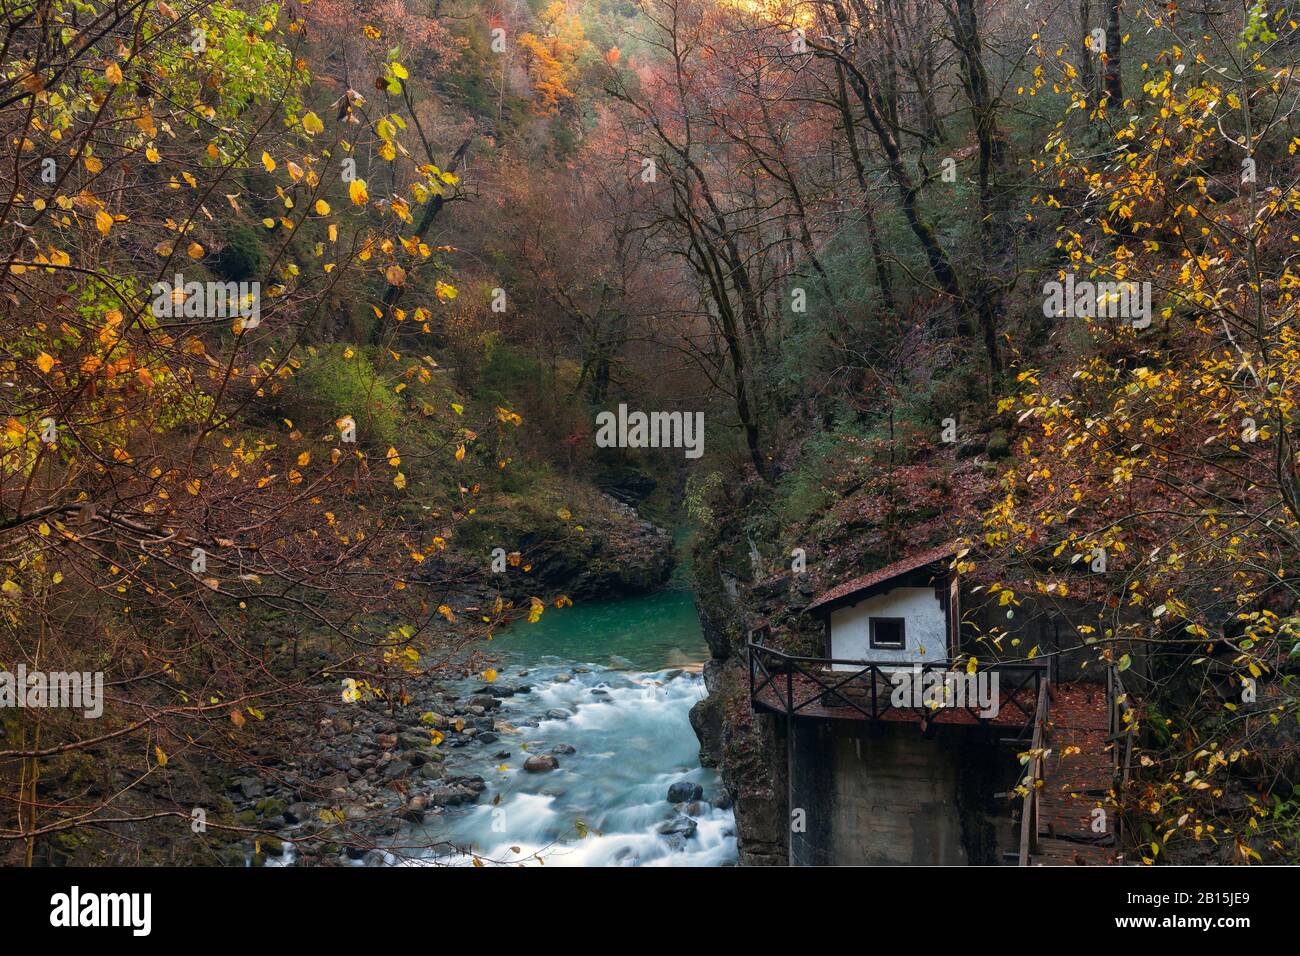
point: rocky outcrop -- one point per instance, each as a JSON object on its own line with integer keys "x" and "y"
{"x": 747, "y": 748}
{"x": 618, "y": 553}
{"x": 601, "y": 550}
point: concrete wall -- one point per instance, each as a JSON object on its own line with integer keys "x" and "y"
{"x": 896, "y": 796}
{"x": 925, "y": 631}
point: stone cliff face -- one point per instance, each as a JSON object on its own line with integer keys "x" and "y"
{"x": 747, "y": 748}
{"x": 606, "y": 551}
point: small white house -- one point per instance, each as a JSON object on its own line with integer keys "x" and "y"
{"x": 905, "y": 613}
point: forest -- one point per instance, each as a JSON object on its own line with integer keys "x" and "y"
{"x": 344, "y": 344}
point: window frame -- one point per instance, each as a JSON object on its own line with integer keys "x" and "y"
{"x": 876, "y": 645}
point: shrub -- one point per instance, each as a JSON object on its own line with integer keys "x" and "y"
{"x": 330, "y": 386}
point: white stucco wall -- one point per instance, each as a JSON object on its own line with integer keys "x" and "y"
{"x": 926, "y": 628}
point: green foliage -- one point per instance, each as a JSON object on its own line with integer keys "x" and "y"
{"x": 330, "y": 385}
{"x": 242, "y": 258}
{"x": 701, "y": 490}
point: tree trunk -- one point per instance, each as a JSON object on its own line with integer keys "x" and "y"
{"x": 1114, "y": 44}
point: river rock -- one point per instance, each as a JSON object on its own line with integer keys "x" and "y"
{"x": 540, "y": 763}
{"x": 683, "y": 825}
{"x": 413, "y": 812}
{"x": 564, "y": 749}
{"x": 472, "y": 782}
{"x": 557, "y": 713}
{"x": 683, "y": 791}
{"x": 677, "y": 831}
{"x": 297, "y": 812}
{"x": 396, "y": 770}
{"x": 251, "y": 787}
{"x": 334, "y": 781}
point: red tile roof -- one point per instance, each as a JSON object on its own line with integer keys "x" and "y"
{"x": 880, "y": 575}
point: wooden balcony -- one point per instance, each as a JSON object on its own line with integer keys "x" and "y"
{"x": 796, "y": 686}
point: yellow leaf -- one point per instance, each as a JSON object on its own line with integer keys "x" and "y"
{"x": 460, "y": 452}
{"x": 399, "y": 71}
{"x": 162, "y": 757}
{"x": 357, "y": 192}
{"x": 151, "y": 154}
{"x": 322, "y": 207}
{"x": 400, "y": 480}
{"x": 195, "y": 251}
{"x": 268, "y": 162}
{"x": 113, "y": 73}
{"x": 490, "y": 675}
{"x": 312, "y": 124}
{"x": 45, "y": 362}
{"x": 103, "y": 221}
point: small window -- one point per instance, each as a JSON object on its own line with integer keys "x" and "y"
{"x": 888, "y": 633}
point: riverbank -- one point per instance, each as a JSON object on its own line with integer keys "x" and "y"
{"x": 578, "y": 752}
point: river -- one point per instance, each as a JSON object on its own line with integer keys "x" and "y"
{"x": 614, "y": 681}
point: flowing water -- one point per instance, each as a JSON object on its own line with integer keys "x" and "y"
{"x": 614, "y": 681}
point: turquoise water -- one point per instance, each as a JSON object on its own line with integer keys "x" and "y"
{"x": 650, "y": 632}
{"x": 614, "y": 681}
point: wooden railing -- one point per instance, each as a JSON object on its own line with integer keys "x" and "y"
{"x": 1122, "y": 728}
{"x": 1033, "y": 775}
{"x": 795, "y": 685}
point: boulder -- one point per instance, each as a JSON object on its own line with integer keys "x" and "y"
{"x": 540, "y": 763}
{"x": 683, "y": 791}
{"x": 250, "y": 787}
{"x": 682, "y": 826}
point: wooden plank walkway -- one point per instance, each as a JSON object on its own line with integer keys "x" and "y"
{"x": 1077, "y": 776}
